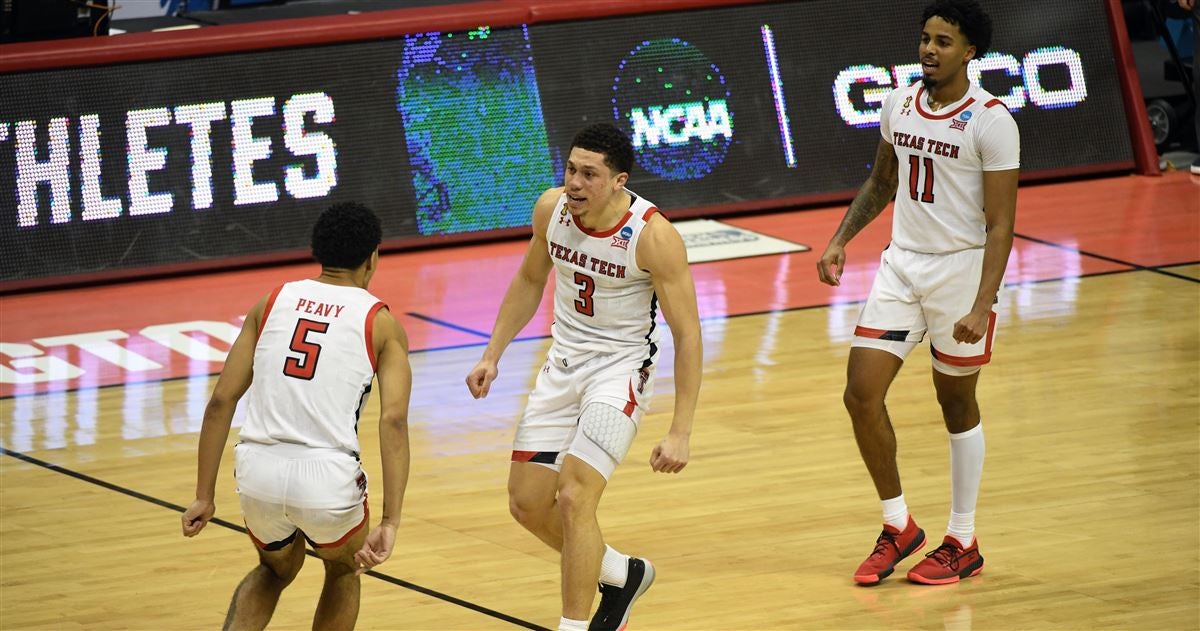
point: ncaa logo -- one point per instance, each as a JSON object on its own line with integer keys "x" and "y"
{"x": 622, "y": 240}
{"x": 675, "y": 103}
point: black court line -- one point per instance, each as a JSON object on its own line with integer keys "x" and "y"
{"x": 451, "y": 347}
{"x": 448, "y": 325}
{"x": 1144, "y": 268}
{"x": 864, "y": 300}
{"x": 232, "y": 526}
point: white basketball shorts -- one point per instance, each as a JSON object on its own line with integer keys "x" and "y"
{"x": 916, "y": 292}
{"x": 285, "y": 488}
{"x": 609, "y": 393}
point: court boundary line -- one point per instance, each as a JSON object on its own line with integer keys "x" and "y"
{"x": 1146, "y": 268}
{"x": 448, "y": 325}
{"x": 451, "y": 347}
{"x": 232, "y": 526}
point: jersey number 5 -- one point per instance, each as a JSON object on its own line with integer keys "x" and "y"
{"x": 305, "y": 366}
{"x": 914, "y": 177}
{"x": 587, "y": 286}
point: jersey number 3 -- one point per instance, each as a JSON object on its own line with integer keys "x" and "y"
{"x": 914, "y": 178}
{"x": 304, "y": 366}
{"x": 587, "y": 286}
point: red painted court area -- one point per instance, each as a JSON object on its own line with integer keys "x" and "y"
{"x": 176, "y": 327}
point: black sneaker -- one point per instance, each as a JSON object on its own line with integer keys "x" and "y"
{"x": 615, "y": 602}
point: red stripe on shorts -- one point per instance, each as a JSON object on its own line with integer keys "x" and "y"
{"x": 631, "y": 404}
{"x": 863, "y": 331}
{"x": 349, "y": 533}
{"x": 976, "y": 360}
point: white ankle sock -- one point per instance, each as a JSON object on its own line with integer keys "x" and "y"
{"x": 962, "y": 527}
{"x": 567, "y": 624}
{"x": 614, "y": 567}
{"x": 895, "y": 512}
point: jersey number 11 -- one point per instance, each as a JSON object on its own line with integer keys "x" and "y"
{"x": 914, "y": 178}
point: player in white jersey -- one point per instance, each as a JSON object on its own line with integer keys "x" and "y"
{"x": 308, "y": 353}
{"x": 953, "y": 151}
{"x": 616, "y": 261}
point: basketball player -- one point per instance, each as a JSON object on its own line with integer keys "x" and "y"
{"x": 954, "y": 151}
{"x": 616, "y": 260}
{"x": 307, "y": 353}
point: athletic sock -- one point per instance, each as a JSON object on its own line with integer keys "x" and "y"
{"x": 966, "y": 471}
{"x": 895, "y": 512}
{"x": 614, "y": 568}
{"x": 962, "y": 527}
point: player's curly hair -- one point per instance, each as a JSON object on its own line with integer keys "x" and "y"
{"x": 970, "y": 19}
{"x": 345, "y": 235}
{"x": 605, "y": 138}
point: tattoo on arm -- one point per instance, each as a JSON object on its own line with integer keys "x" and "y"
{"x": 876, "y": 192}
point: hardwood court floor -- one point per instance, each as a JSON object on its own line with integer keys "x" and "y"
{"x": 1089, "y": 516}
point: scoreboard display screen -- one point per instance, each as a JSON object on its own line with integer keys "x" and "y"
{"x": 162, "y": 165}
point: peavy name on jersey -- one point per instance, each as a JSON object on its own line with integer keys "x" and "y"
{"x": 318, "y": 308}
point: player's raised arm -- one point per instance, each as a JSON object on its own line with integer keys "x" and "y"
{"x": 661, "y": 252}
{"x": 522, "y": 298}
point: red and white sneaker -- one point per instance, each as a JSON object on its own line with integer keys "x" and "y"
{"x": 891, "y": 546}
{"x": 950, "y": 563}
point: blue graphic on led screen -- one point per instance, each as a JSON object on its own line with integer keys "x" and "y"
{"x": 474, "y": 129}
{"x": 676, "y": 104}
{"x": 172, "y": 7}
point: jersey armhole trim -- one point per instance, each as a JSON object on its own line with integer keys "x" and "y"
{"x": 267, "y": 311}
{"x": 369, "y": 332}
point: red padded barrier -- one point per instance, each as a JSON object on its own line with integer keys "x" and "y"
{"x": 286, "y": 33}
{"x": 558, "y": 11}
{"x": 1144, "y": 152}
{"x": 153, "y": 46}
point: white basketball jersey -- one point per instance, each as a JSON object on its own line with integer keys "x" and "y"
{"x": 942, "y": 156}
{"x": 603, "y": 302}
{"x": 313, "y": 366}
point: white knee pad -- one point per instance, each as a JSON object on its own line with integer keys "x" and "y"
{"x": 609, "y": 428}
{"x": 604, "y": 437}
